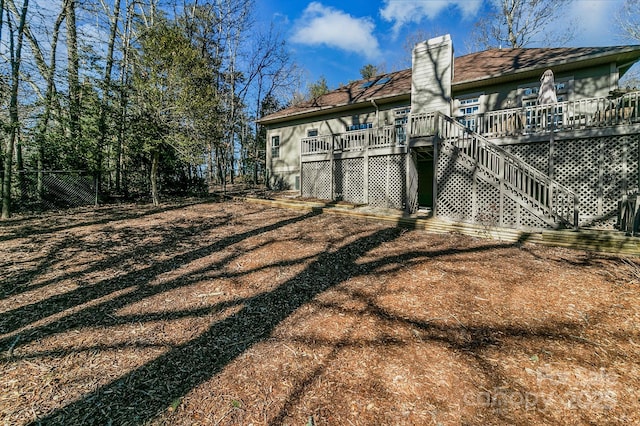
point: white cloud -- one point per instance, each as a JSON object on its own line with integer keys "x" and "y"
{"x": 595, "y": 22}
{"x": 402, "y": 12}
{"x": 323, "y": 25}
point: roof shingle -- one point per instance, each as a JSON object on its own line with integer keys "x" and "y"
{"x": 473, "y": 67}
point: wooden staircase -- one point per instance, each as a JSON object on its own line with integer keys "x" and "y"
{"x": 545, "y": 198}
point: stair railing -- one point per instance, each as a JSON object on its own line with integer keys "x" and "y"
{"x": 539, "y": 191}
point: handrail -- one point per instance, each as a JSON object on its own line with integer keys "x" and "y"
{"x": 566, "y": 115}
{"x": 316, "y": 145}
{"x": 351, "y": 141}
{"x": 539, "y": 190}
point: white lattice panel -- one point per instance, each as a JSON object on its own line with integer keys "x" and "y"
{"x": 349, "y": 180}
{"x": 534, "y": 154}
{"x": 316, "y": 180}
{"x": 528, "y": 220}
{"x": 599, "y": 170}
{"x": 455, "y": 187}
{"x": 487, "y": 204}
{"x": 387, "y": 176}
{"x": 633, "y": 166}
{"x": 511, "y": 214}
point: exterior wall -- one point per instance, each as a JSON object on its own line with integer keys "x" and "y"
{"x": 286, "y": 169}
{"x": 282, "y": 171}
{"x": 590, "y": 82}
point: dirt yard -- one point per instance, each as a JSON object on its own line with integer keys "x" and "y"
{"x": 237, "y": 314}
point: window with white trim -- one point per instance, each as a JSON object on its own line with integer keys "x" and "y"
{"x": 400, "y": 124}
{"x": 357, "y": 125}
{"x": 467, "y": 109}
{"x": 275, "y": 146}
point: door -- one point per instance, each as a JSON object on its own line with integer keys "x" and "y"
{"x": 425, "y": 176}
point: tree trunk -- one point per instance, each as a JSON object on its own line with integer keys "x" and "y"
{"x": 210, "y": 168}
{"x": 73, "y": 73}
{"x": 124, "y": 81}
{"x": 43, "y": 124}
{"x": 102, "y": 121}
{"x": 22, "y": 184}
{"x": 1, "y": 15}
{"x": 155, "y": 162}
{"x": 16, "y": 56}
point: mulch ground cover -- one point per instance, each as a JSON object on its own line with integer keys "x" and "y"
{"x": 230, "y": 313}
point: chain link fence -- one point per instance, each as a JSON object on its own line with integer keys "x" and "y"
{"x": 53, "y": 189}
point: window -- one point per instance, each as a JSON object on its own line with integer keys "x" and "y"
{"x": 382, "y": 81}
{"x": 400, "y": 124}
{"x": 360, "y": 126}
{"x": 367, "y": 84}
{"x": 275, "y": 146}
{"x": 468, "y": 108}
{"x": 401, "y": 129}
{"x": 357, "y": 125}
{"x": 312, "y": 133}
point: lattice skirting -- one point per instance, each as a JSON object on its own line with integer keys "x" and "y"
{"x": 349, "y": 178}
{"x": 465, "y": 195}
{"x": 316, "y": 180}
{"x": 380, "y": 181}
{"x": 387, "y": 181}
{"x": 599, "y": 170}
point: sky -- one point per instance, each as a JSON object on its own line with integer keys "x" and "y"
{"x": 335, "y": 39}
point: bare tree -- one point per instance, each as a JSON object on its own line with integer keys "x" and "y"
{"x": 628, "y": 18}
{"x": 271, "y": 71}
{"x": 106, "y": 89}
{"x": 43, "y": 124}
{"x": 15, "y": 51}
{"x": 520, "y": 23}
{"x": 73, "y": 71}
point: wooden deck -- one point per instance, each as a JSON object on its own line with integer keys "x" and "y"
{"x": 583, "y": 114}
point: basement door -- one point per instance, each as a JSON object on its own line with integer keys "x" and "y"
{"x": 425, "y": 168}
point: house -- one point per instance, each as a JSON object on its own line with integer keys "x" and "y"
{"x": 467, "y": 138}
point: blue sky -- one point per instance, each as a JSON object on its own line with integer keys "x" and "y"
{"x": 335, "y": 39}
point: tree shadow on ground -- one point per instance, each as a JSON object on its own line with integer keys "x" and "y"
{"x": 146, "y": 392}
{"x": 25, "y": 315}
{"x": 105, "y": 215}
{"x": 143, "y": 394}
{"x": 20, "y": 282}
{"x": 130, "y": 400}
{"x": 500, "y": 397}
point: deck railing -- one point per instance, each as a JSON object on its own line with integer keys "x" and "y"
{"x": 579, "y": 114}
{"x": 352, "y": 141}
{"x": 567, "y": 115}
{"x": 317, "y": 145}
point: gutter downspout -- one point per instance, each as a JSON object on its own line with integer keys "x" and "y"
{"x": 375, "y": 105}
